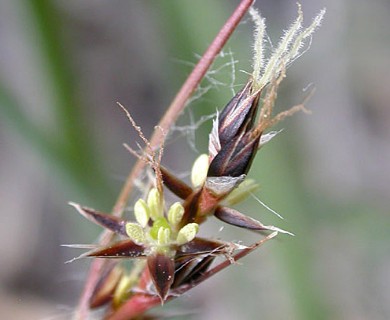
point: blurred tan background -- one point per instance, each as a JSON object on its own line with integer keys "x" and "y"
{"x": 63, "y": 66}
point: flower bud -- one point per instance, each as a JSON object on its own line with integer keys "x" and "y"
{"x": 233, "y": 142}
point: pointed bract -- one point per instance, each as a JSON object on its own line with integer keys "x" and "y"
{"x": 200, "y": 246}
{"x": 240, "y": 220}
{"x": 105, "y": 220}
{"x": 121, "y": 249}
{"x": 191, "y": 207}
{"x": 189, "y": 268}
{"x": 178, "y": 187}
{"x": 195, "y": 257}
{"x": 162, "y": 272}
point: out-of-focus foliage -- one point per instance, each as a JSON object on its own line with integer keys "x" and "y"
{"x": 64, "y": 64}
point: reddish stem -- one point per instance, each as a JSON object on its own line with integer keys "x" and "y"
{"x": 137, "y": 305}
{"x": 165, "y": 124}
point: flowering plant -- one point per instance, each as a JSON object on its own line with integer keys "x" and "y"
{"x": 169, "y": 256}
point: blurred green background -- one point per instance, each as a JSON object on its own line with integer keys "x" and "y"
{"x": 63, "y": 66}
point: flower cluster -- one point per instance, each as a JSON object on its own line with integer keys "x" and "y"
{"x": 169, "y": 256}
